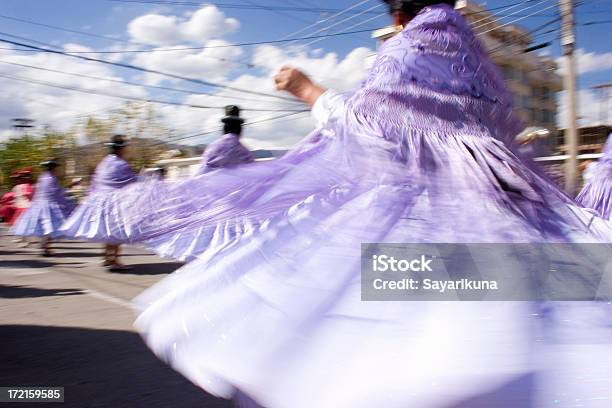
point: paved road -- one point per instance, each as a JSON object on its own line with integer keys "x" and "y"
{"x": 66, "y": 321}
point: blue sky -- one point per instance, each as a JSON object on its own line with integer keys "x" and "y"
{"x": 324, "y": 58}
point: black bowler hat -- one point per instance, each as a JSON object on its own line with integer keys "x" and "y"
{"x": 117, "y": 142}
{"x": 49, "y": 164}
{"x": 232, "y": 114}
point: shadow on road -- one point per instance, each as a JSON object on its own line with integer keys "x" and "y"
{"x": 83, "y": 254}
{"x": 98, "y": 368}
{"x": 162, "y": 268}
{"x": 20, "y": 292}
{"x": 25, "y": 264}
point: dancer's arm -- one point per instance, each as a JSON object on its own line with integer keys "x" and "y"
{"x": 322, "y": 101}
{"x": 299, "y": 85}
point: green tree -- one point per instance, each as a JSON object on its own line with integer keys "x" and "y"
{"x": 139, "y": 122}
{"x": 29, "y": 150}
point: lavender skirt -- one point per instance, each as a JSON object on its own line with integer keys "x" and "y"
{"x": 597, "y": 194}
{"x": 43, "y": 218}
{"x": 276, "y": 313}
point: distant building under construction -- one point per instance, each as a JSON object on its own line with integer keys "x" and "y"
{"x": 590, "y": 139}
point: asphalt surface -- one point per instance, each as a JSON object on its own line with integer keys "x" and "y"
{"x": 66, "y": 321}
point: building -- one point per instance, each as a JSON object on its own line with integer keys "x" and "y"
{"x": 590, "y": 145}
{"x": 590, "y": 139}
{"x": 532, "y": 78}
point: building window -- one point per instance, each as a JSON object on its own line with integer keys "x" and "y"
{"x": 525, "y": 101}
{"x": 533, "y": 115}
{"x": 549, "y": 116}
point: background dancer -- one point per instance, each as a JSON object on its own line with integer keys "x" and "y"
{"x": 416, "y": 155}
{"x": 7, "y": 203}
{"x": 597, "y": 192}
{"x": 91, "y": 219}
{"x": 48, "y": 210}
{"x": 227, "y": 151}
{"x": 22, "y": 196}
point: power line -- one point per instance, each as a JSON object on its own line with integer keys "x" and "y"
{"x": 350, "y": 18}
{"x": 345, "y": 20}
{"x": 497, "y": 8}
{"x": 124, "y": 82}
{"x": 343, "y": 11}
{"x": 142, "y": 69}
{"x": 77, "y": 114}
{"x": 591, "y": 23}
{"x": 223, "y": 45}
{"x": 68, "y": 30}
{"x": 531, "y": 32}
{"x": 354, "y": 25}
{"x": 317, "y": 23}
{"x": 252, "y": 6}
{"x": 207, "y": 132}
{"x": 133, "y": 98}
{"x": 510, "y": 7}
{"x": 515, "y": 20}
{"x": 278, "y": 11}
{"x": 494, "y": 21}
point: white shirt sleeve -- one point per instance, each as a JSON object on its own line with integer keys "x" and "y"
{"x": 327, "y": 105}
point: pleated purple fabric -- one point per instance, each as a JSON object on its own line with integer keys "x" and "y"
{"x": 597, "y": 193}
{"x": 271, "y": 312}
{"x": 225, "y": 152}
{"x": 94, "y": 218}
{"x": 49, "y": 209}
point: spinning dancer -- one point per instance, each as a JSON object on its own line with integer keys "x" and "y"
{"x": 92, "y": 219}
{"x": 416, "y": 155}
{"x": 48, "y": 210}
{"x": 22, "y": 196}
{"x": 597, "y": 193}
{"x": 227, "y": 151}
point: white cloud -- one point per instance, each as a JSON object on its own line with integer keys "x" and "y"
{"x": 60, "y": 107}
{"x": 588, "y": 62}
{"x": 328, "y": 69}
{"x": 206, "y": 23}
{"x": 206, "y": 26}
{"x": 589, "y": 104}
{"x": 52, "y": 106}
{"x": 211, "y": 64}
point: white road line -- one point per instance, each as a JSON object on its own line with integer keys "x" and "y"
{"x": 23, "y": 273}
{"x": 109, "y": 298}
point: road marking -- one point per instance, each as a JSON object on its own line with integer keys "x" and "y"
{"x": 109, "y": 298}
{"x": 23, "y": 273}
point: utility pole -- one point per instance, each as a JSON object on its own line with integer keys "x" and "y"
{"x": 22, "y": 124}
{"x": 568, "y": 41}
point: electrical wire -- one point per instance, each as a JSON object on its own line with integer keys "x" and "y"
{"x": 136, "y": 84}
{"x": 206, "y": 47}
{"x": 133, "y": 98}
{"x": 142, "y": 69}
{"x": 515, "y": 20}
{"x": 215, "y": 130}
{"x": 252, "y": 6}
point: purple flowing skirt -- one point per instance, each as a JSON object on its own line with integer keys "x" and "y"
{"x": 271, "y": 312}
{"x": 597, "y": 194}
{"x": 44, "y": 218}
{"x": 277, "y": 313}
{"x": 101, "y": 216}
{"x": 183, "y": 220}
